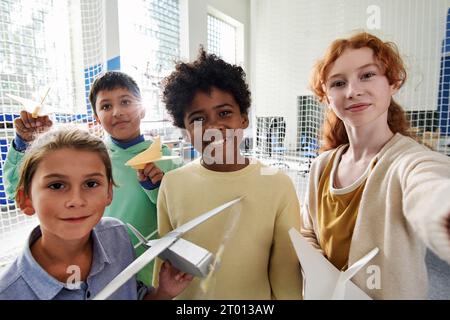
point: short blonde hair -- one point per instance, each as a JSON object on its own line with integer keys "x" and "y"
{"x": 56, "y": 139}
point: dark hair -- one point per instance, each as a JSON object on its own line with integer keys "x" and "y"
{"x": 56, "y": 139}
{"x": 387, "y": 55}
{"x": 112, "y": 80}
{"x": 206, "y": 72}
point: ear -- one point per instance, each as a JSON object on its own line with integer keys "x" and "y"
{"x": 110, "y": 194}
{"x": 25, "y": 203}
{"x": 394, "y": 88}
{"x": 245, "y": 121}
{"x": 98, "y": 119}
{"x": 142, "y": 112}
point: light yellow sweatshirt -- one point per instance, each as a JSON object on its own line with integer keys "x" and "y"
{"x": 258, "y": 261}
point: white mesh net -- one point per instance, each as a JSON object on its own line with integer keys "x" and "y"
{"x": 289, "y": 36}
{"x": 35, "y": 57}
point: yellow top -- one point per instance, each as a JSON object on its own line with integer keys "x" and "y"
{"x": 337, "y": 212}
{"x": 256, "y": 259}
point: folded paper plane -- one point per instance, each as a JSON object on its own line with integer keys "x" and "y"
{"x": 152, "y": 154}
{"x": 37, "y": 109}
{"x": 182, "y": 254}
{"x": 321, "y": 279}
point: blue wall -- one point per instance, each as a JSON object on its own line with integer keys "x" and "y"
{"x": 444, "y": 82}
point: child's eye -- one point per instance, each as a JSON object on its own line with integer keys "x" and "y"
{"x": 56, "y": 186}
{"x": 368, "y": 75}
{"x": 105, "y": 107}
{"x": 337, "y": 84}
{"x": 126, "y": 102}
{"x": 224, "y": 113}
{"x": 92, "y": 184}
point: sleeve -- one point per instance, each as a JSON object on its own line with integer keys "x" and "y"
{"x": 307, "y": 228}
{"x": 284, "y": 268}
{"x": 426, "y": 201}
{"x": 142, "y": 290}
{"x": 11, "y": 171}
{"x": 165, "y": 166}
{"x": 164, "y": 226}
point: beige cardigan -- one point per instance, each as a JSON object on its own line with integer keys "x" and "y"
{"x": 404, "y": 207}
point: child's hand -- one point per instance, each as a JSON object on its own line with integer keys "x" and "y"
{"x": 171, "y": 282}
{"x": 151, "y": 172}
{"x": 27, "y": 126}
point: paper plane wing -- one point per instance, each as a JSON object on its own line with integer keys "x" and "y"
{"x": 36, "y": 108}
{"x": 139, "y": 165}
{"x": 151, "y": 154}
{"x": 202, "y": 218}
{"x": 321, "y": 276}
{"x": 345, "y": 288}
{"x": 30, "y": 106}
{"x": 135, "y": 267}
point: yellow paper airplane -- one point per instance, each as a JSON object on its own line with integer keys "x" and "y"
{"x": 152, "y": 154}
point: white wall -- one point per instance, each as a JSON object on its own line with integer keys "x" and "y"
{"x": 289, "y": 35}
{"x": 112, "y": 29}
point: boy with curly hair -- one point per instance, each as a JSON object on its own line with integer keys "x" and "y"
{"x": 210, "y": 99}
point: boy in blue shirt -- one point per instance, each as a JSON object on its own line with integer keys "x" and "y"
{"x": 66, "y": 179}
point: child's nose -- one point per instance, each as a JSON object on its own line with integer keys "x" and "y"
{"x": 354, "y": 89}
{"x": 215, "y": 124}
{"x": 117, "y": 111}
{"x": 76, "y": 199}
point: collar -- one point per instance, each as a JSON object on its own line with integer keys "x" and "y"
{"x": 126, "y": 145}
{"x": 43, "y": 284}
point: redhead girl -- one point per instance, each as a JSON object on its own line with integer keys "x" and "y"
{"x": 373, "y": 185}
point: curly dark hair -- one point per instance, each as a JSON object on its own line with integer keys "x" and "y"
{"x": 206, "y": 72}
{"x": 112, "y": 80}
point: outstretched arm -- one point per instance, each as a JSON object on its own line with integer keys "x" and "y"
{"x": 426, "y": 201}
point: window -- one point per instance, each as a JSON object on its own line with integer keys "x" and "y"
{"x": 222, "y": 39}
{"x": 152, "y": 26}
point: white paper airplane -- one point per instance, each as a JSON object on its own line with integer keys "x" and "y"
{"x": 37, "y": 109}
{"x": 321, "y": 279}
{"x": 152, "y": 154}
{"x": 182, "y": 254}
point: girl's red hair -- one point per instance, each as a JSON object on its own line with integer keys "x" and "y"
{"x": 387, "y": 55}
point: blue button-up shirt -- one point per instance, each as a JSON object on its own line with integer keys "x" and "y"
{"x": 25, "y": 279}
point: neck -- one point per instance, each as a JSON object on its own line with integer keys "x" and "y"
{"x": 56, "y": 255}
{"x": 367, "y": 141}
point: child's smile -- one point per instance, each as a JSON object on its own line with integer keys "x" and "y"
{"x": 215, "y": 124}
{"x": 69, "y": 193}
{"x": 120, "y": 113}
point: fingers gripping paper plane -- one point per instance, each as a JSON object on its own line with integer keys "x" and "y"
{"x": 152, "y": 154}
{"x": 321, "y": 279}
{"x": 182, "y": 254}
